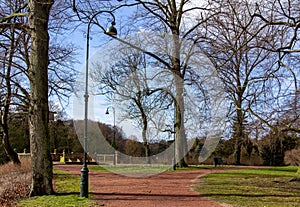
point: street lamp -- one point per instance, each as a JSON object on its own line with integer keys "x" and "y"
{"x": 174, "y": 134}
{"x": 84, "y": 185}
{"x": 114, "y": 131}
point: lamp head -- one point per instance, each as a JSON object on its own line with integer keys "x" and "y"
{"x": 112, "y": 30}
{"x": 107, "y": 112}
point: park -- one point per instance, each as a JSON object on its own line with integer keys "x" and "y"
{"x": 149, "y": 103}
{"x": 204, "y": 185}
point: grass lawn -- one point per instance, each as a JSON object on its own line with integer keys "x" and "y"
{"x": 67, "y": 194}
{"x": 134, "y": 169}
{"x": 253, "y": 187}
{"x": 146, "y": 168}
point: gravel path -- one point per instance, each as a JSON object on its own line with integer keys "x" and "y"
{"x": 174, "y": 189}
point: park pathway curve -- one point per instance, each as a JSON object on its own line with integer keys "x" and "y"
{"x": 168, "y": 189}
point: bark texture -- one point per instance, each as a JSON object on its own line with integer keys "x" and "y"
{"x": 41, "y": 183}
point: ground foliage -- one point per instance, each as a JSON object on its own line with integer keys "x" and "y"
{"x": 14, "y": 182}
{"x": 13, "y": 193}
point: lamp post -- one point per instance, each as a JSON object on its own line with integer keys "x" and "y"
{"x": 114, "y": 131}
{"x": 84, "y": 171}
{"x": 174, "y": 134}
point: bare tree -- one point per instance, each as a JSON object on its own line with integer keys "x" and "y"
{"x": 127, "y": 84}
{"x": 32, "y": 37}
{"x": 284, "y": 15}
{"x": 5, "y": 106}
{"x": 178, "y": 21}
{"x": 12, "y": 37}
{"x": 235, "y": 45}
{"x": 15, "y": 70}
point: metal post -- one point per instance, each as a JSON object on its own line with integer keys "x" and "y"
{"x": 114, "y": 145}
{"x": 114, "y": 134}
{"x": 174, "y": 134}
{"x": 84, "y": 180}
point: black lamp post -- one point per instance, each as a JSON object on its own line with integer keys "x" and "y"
{"x": 84, "y": 185}
{"x": 174, "y": 134}
{"x": 114, "y": 128}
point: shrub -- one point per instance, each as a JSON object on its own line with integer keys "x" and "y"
{"x": 292, "y": 157}
{"x": 15, "y": 182}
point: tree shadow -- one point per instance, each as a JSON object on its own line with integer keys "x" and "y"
{"x": 66, "y": 193}
{"x": 142, "y": 196}
{"x": 247, "y": 195}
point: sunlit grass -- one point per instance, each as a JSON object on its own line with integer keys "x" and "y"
{"x": 67, "y": 194}
{"x": 132, "y": 169}
{"x": 253, "y": 187}
{"x": 148, "y": 169}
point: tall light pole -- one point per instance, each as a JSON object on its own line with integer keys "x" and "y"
{"x": 114, "y": 132}
{"x": 174, "y": 134}
{"x": 84, "y": 180}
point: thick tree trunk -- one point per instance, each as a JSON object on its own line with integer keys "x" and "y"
{"x": 181, "y": 148}
{"x": 180, "y": 142}
{"x": 41, "y": 183}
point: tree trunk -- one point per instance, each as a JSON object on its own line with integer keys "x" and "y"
{"x": 181, "y": 148}
{"x": 41, "y": 181}
{"x": 13, "y": 156}
{"x": 238, "y": 136}
{"x": 180, "y": 142}
{"x": 144, "y": 136}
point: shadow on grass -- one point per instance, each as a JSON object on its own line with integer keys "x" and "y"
{"x": 247, "y": 195}
{"x": 66, "y": 193}
{"x": 141, "y": 196}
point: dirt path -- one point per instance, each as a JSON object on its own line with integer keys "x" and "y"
{"x": 162, "y": 190}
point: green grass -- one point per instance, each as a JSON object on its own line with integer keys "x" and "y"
{"x": 132, "y": 169}
{"x": 270, "y": 187}
{"x": 98, "y": 168}
{"x": 152, "y": 169}
{"x": 202, "y": 167}
{"x": 67, "y": 194}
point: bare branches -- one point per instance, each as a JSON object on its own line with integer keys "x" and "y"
{"x": 5, "y": 21}
{"x": 285, "y": 15}
{"x": 16, "y": 13}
